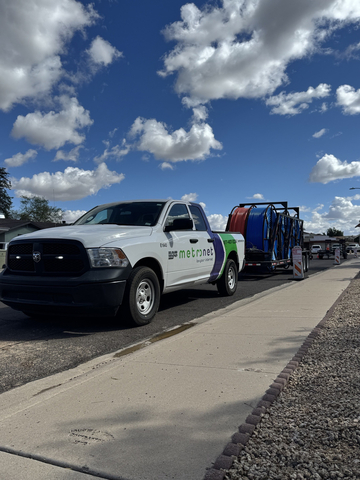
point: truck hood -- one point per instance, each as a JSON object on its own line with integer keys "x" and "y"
{"x": 91, "y": 236}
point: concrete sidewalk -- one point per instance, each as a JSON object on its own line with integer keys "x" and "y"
{"x": 164, "y": 409}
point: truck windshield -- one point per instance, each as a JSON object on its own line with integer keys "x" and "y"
{"x": 144, "y": 214}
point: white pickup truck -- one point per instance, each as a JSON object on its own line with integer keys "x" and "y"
{"x": 119, "y": 254}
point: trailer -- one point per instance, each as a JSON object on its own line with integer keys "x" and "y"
{"x": 327, "y": 252}
{"x": 271, "y": 230}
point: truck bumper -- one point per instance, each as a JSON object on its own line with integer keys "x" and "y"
{"x": 59, "y": 297}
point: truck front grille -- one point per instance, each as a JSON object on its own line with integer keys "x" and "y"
{"x": 21, "y": 248}
{"x": 60, "y": 249}
{"x": 52, "y": 265}
{"x": 48, "y": 257}
{"x": 21, "y": 264}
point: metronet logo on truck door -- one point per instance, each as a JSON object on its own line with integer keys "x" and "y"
{"x": 205, "y": 252}
{"x": 192, "y": 253}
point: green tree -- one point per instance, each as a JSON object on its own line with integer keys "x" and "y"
{"x": 38, "y": 209}
{"x": 334, "y": 232}
{"x": 5, "y": 199}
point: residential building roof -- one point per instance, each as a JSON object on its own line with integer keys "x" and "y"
{"x": 7, "y": 224}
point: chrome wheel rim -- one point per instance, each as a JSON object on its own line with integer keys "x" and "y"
{"x": 145, "y": 296}
{"x": 231, "y": 278}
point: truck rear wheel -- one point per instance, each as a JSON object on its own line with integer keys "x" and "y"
{"x": 142, "y": 296}
{"x": 227, "y": 283}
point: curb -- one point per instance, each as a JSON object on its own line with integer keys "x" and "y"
{"x": 245, "y": 430}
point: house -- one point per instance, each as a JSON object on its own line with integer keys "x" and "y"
{"x": 324, "y": 241}
{"x": 10, "y": 228}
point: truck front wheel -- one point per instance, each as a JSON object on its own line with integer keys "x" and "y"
{"x": 142, "y": 296}
{"x": 227, "y": 283}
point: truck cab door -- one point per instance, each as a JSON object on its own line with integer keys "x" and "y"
{"x": 190, "y": 254}
{"x": 205, "y": 246}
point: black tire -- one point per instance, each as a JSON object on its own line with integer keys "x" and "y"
{"x": 142, "y": 296}
{"x": 227, "y": 283}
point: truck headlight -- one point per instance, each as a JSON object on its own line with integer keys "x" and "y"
{"x": 107, "y": 257}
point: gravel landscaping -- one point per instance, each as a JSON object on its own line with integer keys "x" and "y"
{"x": 311, "y": 429}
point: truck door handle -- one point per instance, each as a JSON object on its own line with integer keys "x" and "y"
{"x": 193, "y": 240}
{"x": 211, "y": 240}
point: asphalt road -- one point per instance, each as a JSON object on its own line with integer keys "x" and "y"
{"x": 32, "y": 349}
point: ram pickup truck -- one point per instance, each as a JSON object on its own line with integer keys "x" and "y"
{"x": 118, "y": 259}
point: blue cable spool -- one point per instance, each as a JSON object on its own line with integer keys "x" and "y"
{"x": 300, "y": 231}
{"x": 262, "y": 229}
{"x": 292, "y": 235}
{"x": 288, "y": 239}
{"x": 297, "y": 231}
{"x": 282, "y": 250}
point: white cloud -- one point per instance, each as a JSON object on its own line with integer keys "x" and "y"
{"x": 323, "y": 107}
{"x": 101, "y": 52}
{"x": 330, "y": 168}
{"x": 320, "y": 133}
{"x": 189, "y": 197}
{"x": 343, "y": 214}
{"x": 349, "y": 99}
{"x": 351, "y": 51}
{"x": 33, "y": 35}
{"x": 338, "y": 134}
{"x": 20, "y": 158}
{"x": 319, "y": 207}
{"x": 166, "y": 166}
{"x": 70, "y": 216}
{"x": 72, "y": 184}
{"x": 53, "y": 130}
{"x": 115, "y": 152}
{"x": 342, "y": 209}
{"x": 217, "y": 221}
{"x": 192, "y": 197}
{"x": 153, "y": 136}
{"x": 294, "y": 103}
{"x": 317, "y": 224}
{"x": 242, "y": 49}
{"x": 257, "y": 196}
{"x": 112, "y": 133}
{"x": 71, "y": 156}
{"x": 200, "y": 114}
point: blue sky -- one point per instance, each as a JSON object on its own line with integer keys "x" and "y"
{"x": 224, "y": 102}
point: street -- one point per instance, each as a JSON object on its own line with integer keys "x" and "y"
{"x": 31, "y": 349}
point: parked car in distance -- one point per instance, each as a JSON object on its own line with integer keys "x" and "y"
{"x": 315, "y": 248}
{"x": 352, "y": 247}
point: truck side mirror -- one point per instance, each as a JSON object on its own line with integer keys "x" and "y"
{"x": 180, "y": 224}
